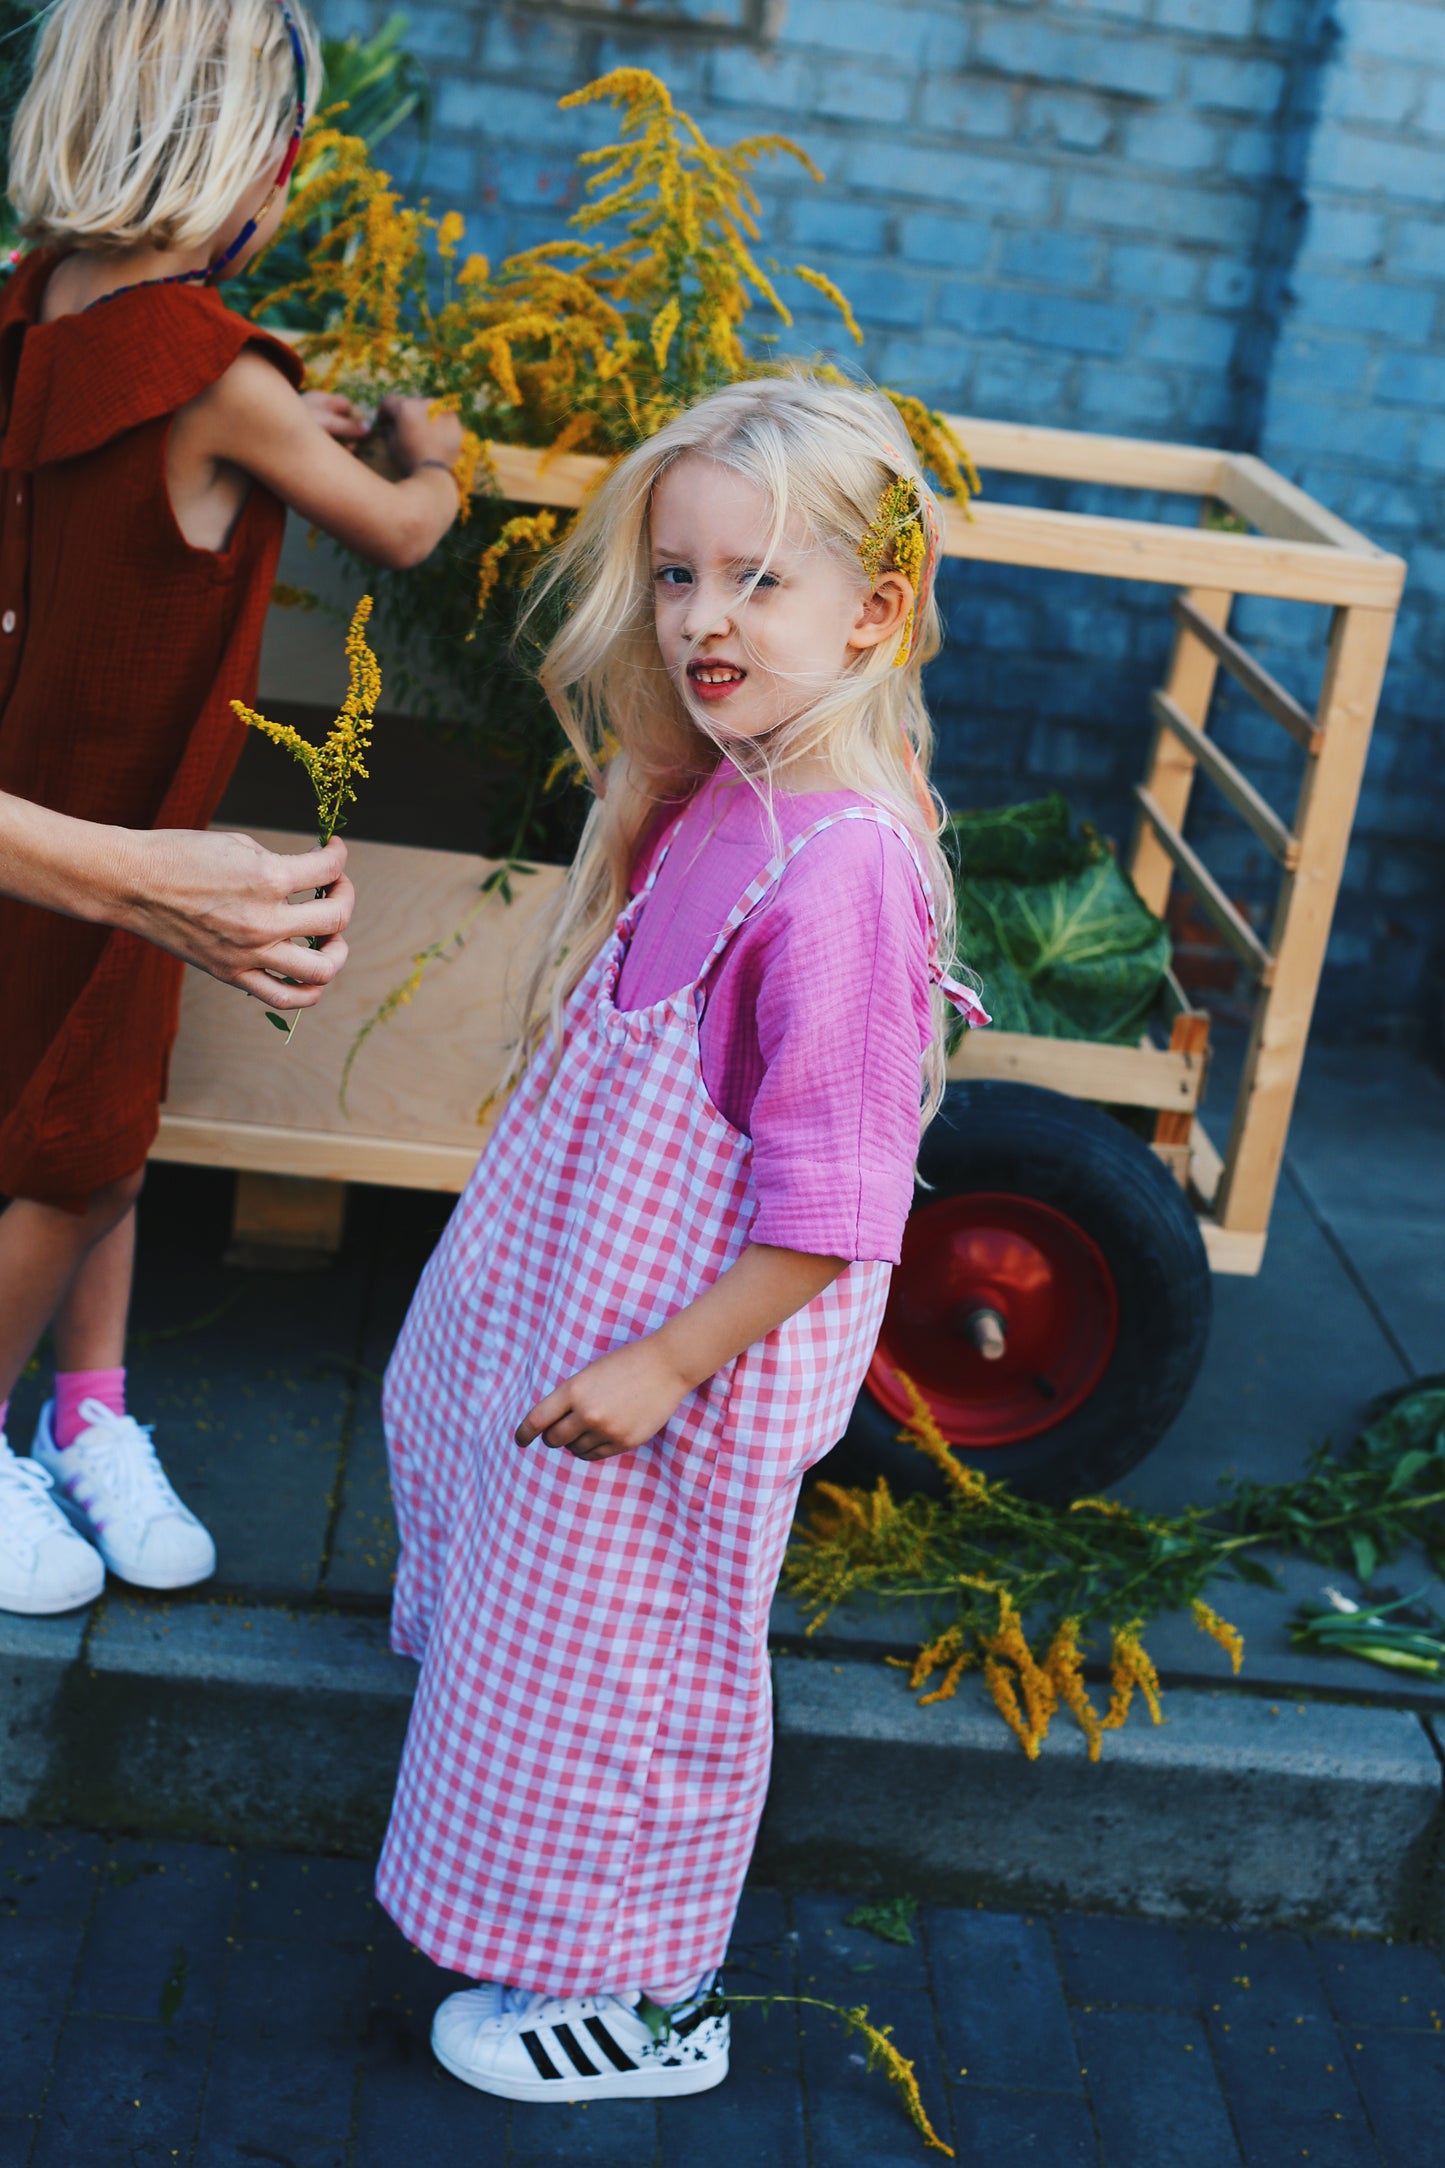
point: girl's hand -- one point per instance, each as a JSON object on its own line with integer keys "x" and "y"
{"x": 613, "y": 1406}
{"x": 413, "y": 433}
{"x": 623, "y": 1399}
{"x": 339, "y": 417}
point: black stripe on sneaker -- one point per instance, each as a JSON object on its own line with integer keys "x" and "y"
{"x": 572, "y": 2049}
{"x": 616, "y": 2055}
{"x": 541, "y": 2060}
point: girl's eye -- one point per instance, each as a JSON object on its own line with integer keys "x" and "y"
{"x": 759, "y": 579}
{"x": 673, "y": 576}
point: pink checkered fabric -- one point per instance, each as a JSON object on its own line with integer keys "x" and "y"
{"x": 589, "y": 1749}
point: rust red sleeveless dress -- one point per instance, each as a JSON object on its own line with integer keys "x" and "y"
{"x": 121, "y": 647}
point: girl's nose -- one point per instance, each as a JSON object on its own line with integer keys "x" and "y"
{"x": 708, "y": 616}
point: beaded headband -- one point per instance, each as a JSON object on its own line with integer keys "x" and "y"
{"x": 288, "y": 163}
{"x": 206, "y": 272}
{"x": 904, "y": 533}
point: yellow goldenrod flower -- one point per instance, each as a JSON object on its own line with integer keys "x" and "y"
{"x": 1230, "y": 1639}
{"x": 531, "y": 531}
{"x": 1064, "y": 1667}
{"x": 825, "y": 286}
{"x": 664, "y": 324}
{"x": 922, "y": 1431}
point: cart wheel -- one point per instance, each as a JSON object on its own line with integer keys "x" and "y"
{"x": 1052, "y": 1303}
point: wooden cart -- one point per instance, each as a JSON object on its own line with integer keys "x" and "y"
{"x": 239, "y": 1099}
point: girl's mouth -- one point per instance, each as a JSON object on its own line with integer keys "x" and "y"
{"x": 714, "y": 680}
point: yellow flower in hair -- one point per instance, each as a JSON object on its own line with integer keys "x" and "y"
{"x": 896, "y": 541}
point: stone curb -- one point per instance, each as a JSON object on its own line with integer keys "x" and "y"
{"x": 246, "y": 1724}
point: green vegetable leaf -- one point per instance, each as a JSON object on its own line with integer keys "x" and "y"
{"x": 1064, "y": 946}
{"x": 1366, "y": 1558}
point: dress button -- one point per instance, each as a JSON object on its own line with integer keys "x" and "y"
{"x": 7, "y": 622}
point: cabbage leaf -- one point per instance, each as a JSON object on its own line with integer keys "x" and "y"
{"x": 1050, "y": 922}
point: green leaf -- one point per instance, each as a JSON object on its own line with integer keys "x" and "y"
{"x": 891, "y": 1920}
{"x": 1250, "y": 1570}
{"x": 1366, "y": 1558}
{"x": 1062, "y": 942}
{"x": 282, "y": 1023}
{"x": 1407, "y": 1467}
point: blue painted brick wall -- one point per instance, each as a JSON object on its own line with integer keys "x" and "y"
{"x": 1216, "y": 220}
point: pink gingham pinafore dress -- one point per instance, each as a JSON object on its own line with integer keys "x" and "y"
{"x": 589, "y": 1748}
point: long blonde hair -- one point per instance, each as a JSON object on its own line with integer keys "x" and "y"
{"x": 146, "y": 120}
{"x": 823, "y": 453}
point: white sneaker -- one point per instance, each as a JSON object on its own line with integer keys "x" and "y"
{"x": 580, "y": 2047}
{"x": 117, "y": 1493}
{"x": 45, "y": 1566}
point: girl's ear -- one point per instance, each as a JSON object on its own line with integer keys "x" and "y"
{"x": 883, "y": 615}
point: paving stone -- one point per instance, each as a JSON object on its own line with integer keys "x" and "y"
{"x": 286, "y": 1897}
{"x": 48, "y": 1878}
{"x": 1249, "y": 1977}
{"x": 405, "y": 1227}
{"x": 124, "y": 2095}
{"x": 284, "y": 2063}
{"x": 1401, "y": 2076}
{"x": 411, "y": 2110}
{"x": 47, "y": 1889}
{"x": 1000, "y": 2001}
{"x": 834, "y": 1956}
{"x": 602, "y": 2133}
{"x": 757, "y": 2115}
{"x": 853, "y": 2113}
{"x": 1125, "y": 1961}
{"x": 408, "y": 2107}
{"x": 17, "y": 2133}
{"x": 1043, "y": 2130}
{"x": 1156, "y": 2099}
{"x": 1382, "y": 1983}
{"x": 1294, "y": 1355}
{"x": 252, "y": 1442}
{"x": 37, "y": 1963}
{"x": 157, "y": 1938}
{"x": 761, "y": 1955}
{"x": 1291, "y": 2091}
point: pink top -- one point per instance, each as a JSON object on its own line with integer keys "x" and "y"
{"x": 817, "y": 1013}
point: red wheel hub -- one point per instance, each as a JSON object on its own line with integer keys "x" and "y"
{"x": 1002, "y": 1311}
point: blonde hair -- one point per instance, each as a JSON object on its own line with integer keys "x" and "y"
{"x": 823, "y": 453}
{"x": 146, "y": 120}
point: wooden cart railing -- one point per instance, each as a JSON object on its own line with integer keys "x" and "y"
{"x": 239, "y": 1100}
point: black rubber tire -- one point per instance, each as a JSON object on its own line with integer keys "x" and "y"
{"x": 1030, "y": 1143}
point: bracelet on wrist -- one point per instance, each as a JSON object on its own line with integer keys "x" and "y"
{"x": 444, "y": 464}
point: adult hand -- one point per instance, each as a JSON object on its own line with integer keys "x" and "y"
{"x": 221, "y": 901}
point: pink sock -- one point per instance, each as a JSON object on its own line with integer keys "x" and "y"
{"x": 73, "y": 1386}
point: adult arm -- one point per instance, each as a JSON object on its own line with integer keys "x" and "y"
{"x": 620, "y": 1401}
{"x": 217, "y": 900}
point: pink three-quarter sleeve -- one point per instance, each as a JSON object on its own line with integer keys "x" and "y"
{"x": 816, "y": 1019}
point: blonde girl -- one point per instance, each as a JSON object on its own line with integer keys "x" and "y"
{"x": 150, "y": 442}
{"x": 672, "y": 1260}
